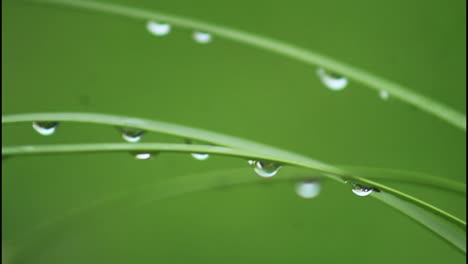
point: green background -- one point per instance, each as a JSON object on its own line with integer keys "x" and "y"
{"x": 59, "y": 59}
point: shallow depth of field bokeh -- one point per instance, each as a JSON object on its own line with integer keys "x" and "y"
{"x": 61, "y": 59}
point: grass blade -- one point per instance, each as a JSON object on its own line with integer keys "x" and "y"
{"x": 233, "y": 178}
{"x": 411, "y": 177}
{"x": 363, "y": 172}
{"x": 452, "y": 233}
{"x": 396, "y": 90}
{"x": 232, "y": 146}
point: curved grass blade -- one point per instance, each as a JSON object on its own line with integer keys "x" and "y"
{"x": 194, "y": 183}
{"x": 396, "y": 90}
{"x": 175, "y": 130}
{"x": 450, "y": 232}
{"x": 411, "y": 177}
{"x": 252, "y": 149}
{"x": 154, "y": 147}
{"x": 363, "y": 172}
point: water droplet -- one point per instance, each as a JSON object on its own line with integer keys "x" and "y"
{"x": 197, "y": 156}
{"x": 362, "y": 190}
{"x": 132, "y": 135}
{"x": 200, "y": 156}
{"x": 308, "y": 189}
{"x": 332, "y": 81}
{"x": 158, "y": 29}
{"x": 384, "y": 95}
{"x": 251, "y": 162}
{"x": 265, "y": 169}
{"x": 142, "y": 156}
{"x": 45, "y": 128}
{"x": 202, "y": 37}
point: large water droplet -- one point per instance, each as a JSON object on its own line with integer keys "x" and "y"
{"x": 202, "y": 37}
{"x": 362, "y": 190}
{"x": 266, "y": 169}
{"x": 132, "y": 135}
{"x": 142, "y": 156}
{"x": 45, "y": 128}
{"x": 384, "y": 95}
{"x": 332, "y": 81}
{"x": 158, "y": 29}
{"x": 308, "y": 189}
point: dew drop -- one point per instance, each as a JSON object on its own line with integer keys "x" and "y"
{"x": 197, "y": 156}
{"x": 45, "y": 128}
{"x": 308, "y": 189}
{"x": 384, "y": 95}
{"x": 132, "y": 135}
{"x": 265, "y": 169}
{"x": 202, "y": 37}
{"x": 251, "y": 162}
{"x": 360, "y": 190}
{"x": 332, "y": 81}
{"x": 158, "y": 29}
{"x": 200, "y": 156}
{"x": 143, "y": 156}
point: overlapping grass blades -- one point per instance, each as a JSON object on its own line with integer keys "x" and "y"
{"x": 447, "y": 226}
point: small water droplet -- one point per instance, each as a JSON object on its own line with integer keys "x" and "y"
{"x": 200, "y": 156}
{"x": 132, "y": 135}
{"x": 251, "y": 162}
{"x": 45, "y": 128}
{"x": 384, "y": 95}
{"x": 308, "y": 189}
{"x": 332, "y": 81}
{"x": 202, "y": 37}
{"x": 265, "y": 169}
{"x": 197, "y": 156}
{"x": 362, "y": 190}
{"x": 142, "y": 156}
{"x": 158, "y": 29}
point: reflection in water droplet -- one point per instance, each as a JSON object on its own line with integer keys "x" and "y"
{"x": 332, "y": 81}
{"x": 384, "y": 95}
{"x": 45, "y": 128}
{"x": 362, "y": 190}
{"x": 265, "y": 169}
{"x": 132, "y": 135}
{"x": 158, "y": 29}
{"x": 143, "y": 156}
{"x": 308, "y": 189}
{"x": 251, "y": 162}
{"x": 202, "y": 37}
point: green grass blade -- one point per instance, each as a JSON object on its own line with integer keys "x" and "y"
{"x": 452, "y": 233}
{"x": 424, "y": 179}
{"x": 363, "y": 172}
{"x": 240, "y": 147}
{"x": 175, "y": 130}
{"x": 232, "y": 178}
{"x": 396, "y": 90}
{"x": 428, "y": 216}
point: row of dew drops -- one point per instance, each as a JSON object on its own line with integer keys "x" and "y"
{"x": 331, "y": 80}
{"x": 266, "y": 169}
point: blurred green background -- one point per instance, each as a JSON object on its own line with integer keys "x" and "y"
{"x": 59, "y": 59}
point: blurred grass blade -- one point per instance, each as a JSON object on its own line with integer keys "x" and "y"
{"x": 452, "y": 233}
{"x": 147, "y": 195}
{"x": 426, "y": 104}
